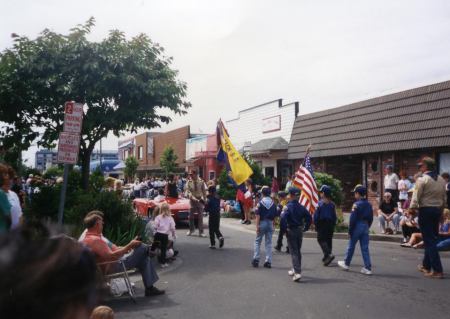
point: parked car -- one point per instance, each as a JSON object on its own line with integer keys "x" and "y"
{"x": 179, "y": 208}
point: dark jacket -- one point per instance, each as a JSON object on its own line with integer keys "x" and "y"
{"x": 296, "y": 215}
{"x": 212, "y": 205}
{"x": 325, "y": 212}
{"x": 361, "y": 212}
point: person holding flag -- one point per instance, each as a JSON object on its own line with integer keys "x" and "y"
{"x": 304, "y": 180}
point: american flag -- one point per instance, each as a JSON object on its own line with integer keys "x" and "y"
{"x": 304, "y": 180}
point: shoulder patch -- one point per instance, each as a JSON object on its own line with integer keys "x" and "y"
{"x": 354, "y": 206}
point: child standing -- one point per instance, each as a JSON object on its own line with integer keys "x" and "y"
{"x": 298, "y": 219}
{"x": 213, "y": 208}
{"x": 266, "y": 212}
{"x": 325, "y": 220}
{"x": 361, "y": 219}
{"x": 164, "y": 225}
{"x": 283, "y": 202}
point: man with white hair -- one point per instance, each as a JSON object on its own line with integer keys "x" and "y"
{"x": 388, "y": 212}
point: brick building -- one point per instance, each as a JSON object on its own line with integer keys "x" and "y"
{"x": 149, "y": 146}
{"x": 355, "y": 142}
{"x": 201, "y": 155}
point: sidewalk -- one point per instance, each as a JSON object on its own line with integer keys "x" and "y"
{"x": 236, "y": 224}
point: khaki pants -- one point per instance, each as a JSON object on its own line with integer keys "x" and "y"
{"x": 196, "y": 210}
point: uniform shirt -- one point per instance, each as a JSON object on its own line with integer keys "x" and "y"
{"x": 266, "y": 209}
{"x": 325, "y": 211}
{"x": 361, "y": 212}
{"x": 5, "y": 211}
{"x": 196, "y": 189}
{"x": 212, "y": 205}
{"x": 391, "y": 181}
{"x": 429, "y": 192}
{"x": 296, "y": 215}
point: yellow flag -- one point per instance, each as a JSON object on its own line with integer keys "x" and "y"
{"x": 240, "y": 170}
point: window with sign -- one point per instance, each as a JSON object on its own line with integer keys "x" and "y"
{"x": 140, "y": 152}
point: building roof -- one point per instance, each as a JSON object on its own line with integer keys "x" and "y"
{"x": 412, "y": 119}
{"x": 269, "y": 144}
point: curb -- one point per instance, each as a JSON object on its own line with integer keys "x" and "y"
{"x": 228, "y": 222}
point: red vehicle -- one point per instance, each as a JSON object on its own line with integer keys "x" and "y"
{"x": 179, "y": 208}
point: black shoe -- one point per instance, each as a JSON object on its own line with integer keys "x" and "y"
{"x": 255, "y": 263}
{"x": 287, "y": 250}
{"x": 248, "y": 222}
{"x": 175, "y": 253}
{"x": 212, "y": 247}
{"x": 153, "y": 291}
{"x": 328, "y": 260}
{"x": 267, "y": 265}
{"x": 221, "y": 242}
{"x": 278, "y": 248}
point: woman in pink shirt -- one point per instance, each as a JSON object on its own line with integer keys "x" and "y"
{"x": 163, "y": 225}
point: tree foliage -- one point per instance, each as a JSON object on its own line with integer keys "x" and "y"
{"x": 131, "y": 165}
{"x": 168, "y": 160}
{"x": 53, "y": 172}
{"x": 123, "y": 84}
{"x": 335, "y": 185}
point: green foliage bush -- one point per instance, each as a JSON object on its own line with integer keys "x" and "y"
{"x": 335, "y": 185}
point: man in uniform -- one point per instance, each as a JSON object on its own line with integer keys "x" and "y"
{"x": 429, "y": 198}
{"x": 196, "y": 192}
{"x": 361, "y": 219}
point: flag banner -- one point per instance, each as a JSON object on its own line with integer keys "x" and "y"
{"x": 304, "y": 180}
{"x": 238, "y": 167}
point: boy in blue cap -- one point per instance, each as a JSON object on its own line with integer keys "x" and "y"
{"x": 266, "y": 211}
{"x": 361, "y": 219}
{"x": 325, "y": 220}
{"x": 298, "y": 220}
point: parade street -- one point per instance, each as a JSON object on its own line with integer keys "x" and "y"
{"x": 221, "y": 283}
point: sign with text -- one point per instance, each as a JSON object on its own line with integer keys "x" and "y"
{"x": 271, "y": 124}
{"x": 73, "y": 117}
{"x": 68, "y": 147}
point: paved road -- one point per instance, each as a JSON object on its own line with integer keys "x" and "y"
{"x": 222, "y": 284}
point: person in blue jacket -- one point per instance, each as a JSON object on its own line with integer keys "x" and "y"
{"x": 266, "y": 211}
{"x": 297, "y": 220}
{"x": 361, "y": 219}
{"x": 325, "y": 220}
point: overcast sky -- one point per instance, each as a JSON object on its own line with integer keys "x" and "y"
{"x": 235, "y": 54}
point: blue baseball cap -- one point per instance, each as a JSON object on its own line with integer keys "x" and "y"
{"x": 266, "y": 191}
{"x": 326, "y": 190}
{"x": 360, "y": 190}
{"x": 293, "y": 191}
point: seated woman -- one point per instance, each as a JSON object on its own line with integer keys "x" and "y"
{"x": 409, "y": 224}
{"x": 388, "y": 212}
{"x": 416, "y": 241}
{"x": 444, "y": 232}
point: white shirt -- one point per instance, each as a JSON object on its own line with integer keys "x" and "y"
{"x": 391, "y": 181}
{"x": 16, "y": 209}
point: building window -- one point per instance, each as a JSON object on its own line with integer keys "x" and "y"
{"x": 140, "y": 152}
{"x": 374, "y": 167}
{"x": 212, "y": 175}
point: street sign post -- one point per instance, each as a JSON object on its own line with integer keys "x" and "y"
{"x": 68, "y": 146}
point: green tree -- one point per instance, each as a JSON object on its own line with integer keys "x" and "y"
{"x": 122, "y": 84}
{"x": 258, "y": 177}
{"x": 168, "y": 160}
{"x": 335, "y": 185}
{"x": 226, "y": 189}
{"x": 53, "y": 172}
{"x": 131, "y": 165}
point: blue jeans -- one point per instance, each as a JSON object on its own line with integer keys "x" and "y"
{"x": 265, "y": 230}
{"x": 429, "y": 227}
{"x": 443, "y": 244}
{"x": 361, "y": 234}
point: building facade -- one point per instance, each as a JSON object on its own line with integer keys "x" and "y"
{"x": 264, "y": 131}
{"x": 44, "y": 159}
{"x": 355, "y": 142}
{"x": 201, "y": 155}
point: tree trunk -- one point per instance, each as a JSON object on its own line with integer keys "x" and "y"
{"x": 85, "y": 167}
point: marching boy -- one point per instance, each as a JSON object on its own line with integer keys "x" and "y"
{"x": 361, "y": 219}
{"x": 325, "y": 220}
{"x": 213, "y": 208}
{"x": 298, "y": 220}
{"x": 283, "y": 201}
{"x": 265, "y": 214}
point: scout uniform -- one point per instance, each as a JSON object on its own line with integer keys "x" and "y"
{"x": 325, "y": 219}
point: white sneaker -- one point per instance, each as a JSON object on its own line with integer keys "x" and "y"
{"x": 366, "y": 271}
{"x": 342, "y": 264}
{"x": 202, "y": 235}
{"x": 291, "y": 272}
{"x": 189, "y": 233}
{"x": 164, "y": 265}
{"x": 296, "y": 277}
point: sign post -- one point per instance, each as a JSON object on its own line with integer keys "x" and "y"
{"x": 68, "y": 146}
